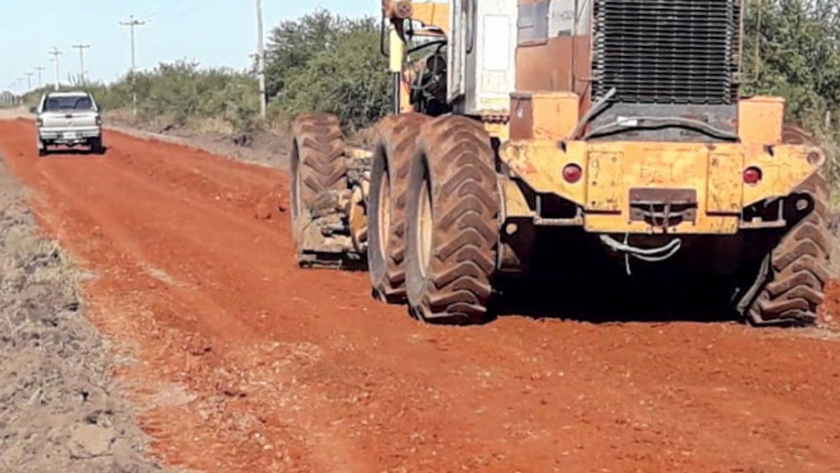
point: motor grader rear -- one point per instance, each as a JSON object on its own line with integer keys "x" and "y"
{"x": 566, "y": 137}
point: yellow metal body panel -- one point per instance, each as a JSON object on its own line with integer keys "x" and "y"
{"x": 541, "y": 125}
{"x": 501, "y": 131}
{"x": 613, "y": 169}
{"x": 787, "y": 168}
{"x": 432, "y": 14}
{"x": 726, "y": 182}
{"x": 760, "y": 120}
{"x": 515, "y": 204}
{"x": 544, "y": 115}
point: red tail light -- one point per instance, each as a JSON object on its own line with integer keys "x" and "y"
{"x": 572, "y": 173}
{"x": 752, "y": 176}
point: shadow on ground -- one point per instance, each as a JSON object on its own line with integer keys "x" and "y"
{"x": 615, "y": 299}
{"x": 71, "y": 152}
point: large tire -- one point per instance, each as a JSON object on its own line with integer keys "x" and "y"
{"x": 452, "y": 223}
{"x": 388, "y": 196}
{"x": 318, "y": 166}
{"x": 796, "y": 271}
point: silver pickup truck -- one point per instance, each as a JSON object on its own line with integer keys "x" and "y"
{"x": 69, "y": 119}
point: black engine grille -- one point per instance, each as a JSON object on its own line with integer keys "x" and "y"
{"x": 667, "y": 51}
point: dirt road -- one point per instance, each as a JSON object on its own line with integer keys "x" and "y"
{"x": 246, "y": 363}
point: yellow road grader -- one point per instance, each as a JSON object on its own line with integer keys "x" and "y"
{"x": 534, "y": 137}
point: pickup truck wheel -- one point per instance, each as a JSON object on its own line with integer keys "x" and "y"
{"x": 42, "y": 149}
{"x": 96, "y": 146}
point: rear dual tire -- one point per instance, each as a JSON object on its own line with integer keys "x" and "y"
{"x": 452, "y": 223}
{"x": 392, "y": 157}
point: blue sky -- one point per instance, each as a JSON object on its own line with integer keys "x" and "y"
{"x": 212, "y": 32}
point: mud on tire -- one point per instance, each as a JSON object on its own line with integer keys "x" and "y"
{"x": 452, "y": 223}
{"x": 796, "y": 271}
{"x": 388, "y": 198}
{"x": 318, "y": 166}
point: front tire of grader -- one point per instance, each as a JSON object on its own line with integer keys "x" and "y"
{"x": 452, "y": 223}
{"x": 797, "y": 271}
{"x": 388, "y": 197}
{"x": 317, "y": 166}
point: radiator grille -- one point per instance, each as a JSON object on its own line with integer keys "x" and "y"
{"x": 667, "y": 51}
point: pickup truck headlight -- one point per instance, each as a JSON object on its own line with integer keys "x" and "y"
{"x": 98, "y": 120}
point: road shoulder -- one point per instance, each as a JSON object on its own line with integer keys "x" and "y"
{"x": 60, "y": 409}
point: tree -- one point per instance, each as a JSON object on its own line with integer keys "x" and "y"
{"x": 799, "y": 55}
{"x": 327, "y": 63}
{"x": 294, "y": 43}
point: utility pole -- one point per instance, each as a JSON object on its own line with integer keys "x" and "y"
{"x": 29, "y": 79}
{"x": 81, "y": 48}
{"x": 40, "y": 69}
{"x": 261, "y": 56}
{"x": 56, "y": 53}
{"x": 133, "y": 23}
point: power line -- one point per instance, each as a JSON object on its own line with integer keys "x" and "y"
{"x": 81, "y": 48}
{"x": 190, "y": 6}
{"x": 29, "y": 79}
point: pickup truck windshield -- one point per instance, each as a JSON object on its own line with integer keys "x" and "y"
{"x": 54, "y": 104}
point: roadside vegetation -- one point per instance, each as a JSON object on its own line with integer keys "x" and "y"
{"x": 329, "y": 63}
{"x": 319, "y": 62}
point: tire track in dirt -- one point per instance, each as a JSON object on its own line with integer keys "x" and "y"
{"x": 249, "y": 364}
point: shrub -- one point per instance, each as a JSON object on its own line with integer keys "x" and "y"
{"x": 326, "y": 63}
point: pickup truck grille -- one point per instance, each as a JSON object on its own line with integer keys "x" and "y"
{"x": 667, "y": 51}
